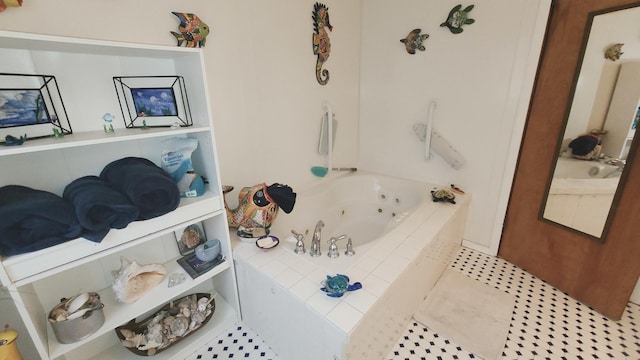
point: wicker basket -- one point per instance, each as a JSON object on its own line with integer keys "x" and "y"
{"x": 140, "y": 327}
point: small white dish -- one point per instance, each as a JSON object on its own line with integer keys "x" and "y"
{"x": 267, "y": 242}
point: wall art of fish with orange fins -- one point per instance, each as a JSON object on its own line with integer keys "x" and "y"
{"x": 193, "y": 31}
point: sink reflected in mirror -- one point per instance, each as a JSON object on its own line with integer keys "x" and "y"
{"x": 600, "y": 126}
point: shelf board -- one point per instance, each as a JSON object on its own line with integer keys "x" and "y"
{"x": 223, "y": 319}
{"x": 27, "y": 268}
{"x": 117, "y": 314}
{"x": 41, "y": 42}
{"x": 96, "y": 137}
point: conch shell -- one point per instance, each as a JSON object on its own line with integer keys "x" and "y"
{"x": 134, "y": 280}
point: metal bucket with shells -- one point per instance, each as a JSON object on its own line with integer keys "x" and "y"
{"x": 77, "y": 318}
{"x": 168, "y": 326}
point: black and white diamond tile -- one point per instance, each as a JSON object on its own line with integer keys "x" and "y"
{"x": 546, "y": 324}
{"x": 241, "y": 343}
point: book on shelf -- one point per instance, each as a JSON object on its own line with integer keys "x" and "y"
{"x": 196, "y": 267}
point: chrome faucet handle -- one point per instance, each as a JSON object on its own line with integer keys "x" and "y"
{"x": 300, "y": 243}
{"x": 349, "y": 251}
{"x": 333, "y": 247}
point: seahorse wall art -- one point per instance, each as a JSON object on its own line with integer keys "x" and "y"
{"x": 321, "y": 41}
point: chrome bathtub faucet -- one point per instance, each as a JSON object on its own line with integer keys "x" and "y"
{"x": 315, "y": 240}
{"x": 333, "y": 247}
{"x": 299, "y": 243}
{"x": 349, "y": 251}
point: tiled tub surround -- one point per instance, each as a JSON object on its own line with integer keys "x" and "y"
{"x": 280, "y": 291}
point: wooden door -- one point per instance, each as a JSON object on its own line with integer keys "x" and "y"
{"x": 599, "y": 274}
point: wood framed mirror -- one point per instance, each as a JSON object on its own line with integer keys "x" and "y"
{"x": 599, "y": 274}
{"x": 600, "y": 124}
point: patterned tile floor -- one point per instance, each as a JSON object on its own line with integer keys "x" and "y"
{"x": 546, "y": 324}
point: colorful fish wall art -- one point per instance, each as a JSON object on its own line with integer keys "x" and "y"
{"x": 193, "y": 31}
{"x": 321, "y": 41}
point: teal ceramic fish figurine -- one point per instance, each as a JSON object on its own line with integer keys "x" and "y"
{"x": 457, "y": 18}
{"x": 321, "y": 41}
{"x": 414, "y": 41}
{"x": 193, "y": 31}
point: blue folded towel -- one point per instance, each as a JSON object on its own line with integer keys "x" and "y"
{"x": 146, "y": 185}
{"x": 99, "y": 207}
{"x": 32, "y": 220}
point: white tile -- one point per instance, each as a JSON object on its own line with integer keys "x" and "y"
{"x": 322, "y": 303}
{"x": 288, "y": 277}
{"x": 538, "y": 323}
{"x": 391, "y": 267}
{"x": 407, "y": 252}
{"x": 368, "y": 263}
{"x": 318, "y": 275}
{"x": 356, "y": 273}
{"x": 304, "y": 289}
{"x": 273, "y": 268}
{"x": 344, "y": 315}
{"x": 259, "y": 259}
{"x": 375, "y": 285}
{"x": 302, "y": 265}
{"x": 243, "y": 251}
{"x": 362, "y": 300}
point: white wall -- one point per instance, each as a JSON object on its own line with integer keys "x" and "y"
{"x": 598, "y": 75}
{"x": 481, "y": 80}
{"x": 261, "y": 72}
{"x": 267, "y": 104}
{"x": 260, "y": 66}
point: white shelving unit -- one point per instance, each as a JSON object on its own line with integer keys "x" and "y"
{"x": 36, "y": 281}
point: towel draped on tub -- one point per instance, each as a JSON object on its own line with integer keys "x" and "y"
{"x": 32, "y": 220}
{"x": 146, "y": 185}
{"x": 99, "y": 206}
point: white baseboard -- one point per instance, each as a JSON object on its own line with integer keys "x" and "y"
{"x": 481, "y": 248}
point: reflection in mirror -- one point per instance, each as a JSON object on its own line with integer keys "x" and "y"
{"x": 600, "y": 126}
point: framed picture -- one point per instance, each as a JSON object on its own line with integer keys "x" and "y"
{"x": 153, "y": 101}
{"x": 189, "y": 238}
{"x": 31, "y": 106}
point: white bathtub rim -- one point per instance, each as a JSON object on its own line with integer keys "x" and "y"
{"x": 384, "y": 260}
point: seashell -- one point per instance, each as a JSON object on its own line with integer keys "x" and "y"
{"x": 203, "y": 304}
{"x": 127, "y": 333}
{"x": 78, "y": 314}
{"x": 198, "y": 318}
{"x": 58, "y": 315}
{"x": 154, "y": 335}
{"x": 75, "y": 303}
{"x": 168, "y": 320}
{"x": 179, "y": 326}
{"x": 133, "y": 340}
{"x": 134, "y": 280}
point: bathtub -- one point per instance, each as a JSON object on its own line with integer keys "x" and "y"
{"x": 581, "y": 194}
{"x": 570, "y": 168}
{"x": 403, "y": 241}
